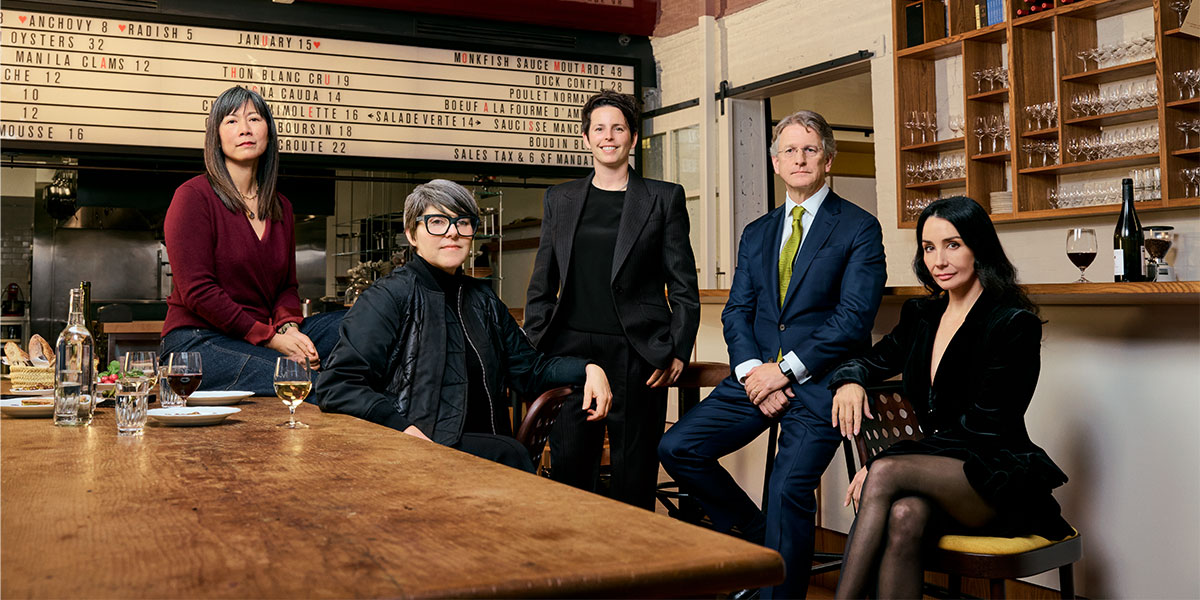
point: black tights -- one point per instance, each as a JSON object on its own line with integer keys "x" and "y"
{"x": 900, "y": 498}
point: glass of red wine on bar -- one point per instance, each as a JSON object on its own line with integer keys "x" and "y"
{"x": 1081, "y": 249}
{"x": 184, "y": 373}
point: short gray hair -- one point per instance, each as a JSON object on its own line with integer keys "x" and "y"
{"x": 809, "y": 120}
{"x": 439, "y": 193}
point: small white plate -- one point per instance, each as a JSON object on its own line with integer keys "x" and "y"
{"x": 189, "y": 416}
{"x": 13, "y": 408}
{"x": 217, "y": 397}
{"x": 29, "y": 392}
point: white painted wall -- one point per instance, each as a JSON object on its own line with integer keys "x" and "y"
{"x": 1118, "y": 402}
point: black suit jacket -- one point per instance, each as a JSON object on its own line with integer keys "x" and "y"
{"x": 653, "y": 251}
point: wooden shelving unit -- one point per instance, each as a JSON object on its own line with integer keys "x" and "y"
{"x": 1040, "y": 52}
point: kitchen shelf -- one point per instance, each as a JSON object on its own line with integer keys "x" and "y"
{"x": 1000, "y": 96}
{"x": 938, "y": 146}
{"x": 1140, "y": 68}
{"x": 1001, "y": 156}
{"x": 938, "y": 185}
{"x": 1025, "y": 45}
{"x": 1133, "y": 115}
{"x": 1096, "y": 165}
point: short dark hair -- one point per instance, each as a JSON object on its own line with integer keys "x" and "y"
{"x": 995, "y": 272}
{"x": 443, "y": 194}
{"x": 268, "y": 164}
{"x": 628, "y": 105}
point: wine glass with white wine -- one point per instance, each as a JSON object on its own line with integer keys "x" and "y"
{"x": 293, "y": 382}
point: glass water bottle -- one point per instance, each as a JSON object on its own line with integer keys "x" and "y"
{"x": 73, "y": 371}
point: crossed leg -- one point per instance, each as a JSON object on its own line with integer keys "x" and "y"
{"x": 900, "y": 498}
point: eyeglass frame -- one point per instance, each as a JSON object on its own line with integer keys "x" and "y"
{"x": 810, "y": 152}
{"x": 474, "y": 220}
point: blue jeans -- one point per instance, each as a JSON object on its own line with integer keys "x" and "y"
{"x": 235, "y": 364}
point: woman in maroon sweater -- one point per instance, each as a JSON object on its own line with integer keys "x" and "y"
{"x": 231, "y": 243}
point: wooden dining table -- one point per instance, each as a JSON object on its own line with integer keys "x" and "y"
{"x": 346, "y": 508}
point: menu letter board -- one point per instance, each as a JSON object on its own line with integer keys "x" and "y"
{"x": 72, "y": 79}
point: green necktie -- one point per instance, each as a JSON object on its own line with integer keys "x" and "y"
{"x": 788, "y": 255}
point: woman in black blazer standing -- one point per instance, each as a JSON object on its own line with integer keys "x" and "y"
{"x": 611, "y": 243}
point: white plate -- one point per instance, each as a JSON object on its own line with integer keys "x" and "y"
{"x": 217, "y": 398}
{"x": 187, "y": 416}
{"x": 13, "y": 408}
{"x": 29, "y": 392}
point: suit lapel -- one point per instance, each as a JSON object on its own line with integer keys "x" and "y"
{"x": 638, "y": 203}
{"x": 770, "y": 254}
{"x": 570, "y": 207}
{"x": 822, "y": 226}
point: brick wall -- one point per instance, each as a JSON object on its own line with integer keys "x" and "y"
{"x": 16, "y": 242}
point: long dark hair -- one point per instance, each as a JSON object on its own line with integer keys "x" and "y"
{"x": 268, "y": 164}
{"x": 995, "y": 272}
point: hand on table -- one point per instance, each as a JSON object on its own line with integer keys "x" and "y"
{"x": 417, "y": 433}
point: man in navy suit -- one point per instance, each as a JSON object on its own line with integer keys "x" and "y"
{"x": 808, "y": 282}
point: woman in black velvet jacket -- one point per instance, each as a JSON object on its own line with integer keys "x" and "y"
{"x": 970, "y": 356}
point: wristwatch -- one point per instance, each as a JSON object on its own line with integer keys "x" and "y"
{"x": 286, "y": 326}
{"x": 786, "y": 369}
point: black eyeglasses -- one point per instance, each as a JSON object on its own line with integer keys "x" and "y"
{"x": 440, "y": 224}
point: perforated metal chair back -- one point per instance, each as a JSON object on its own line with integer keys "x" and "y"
{"x": 894, "y": 421}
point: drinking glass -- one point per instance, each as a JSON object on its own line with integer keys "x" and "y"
{"x": 1081, "y": 249}
{"x": 143, "y": 364}
{"x": 133, "y": 386}
{"x": 1180, "y": 7}
{"x": 166, "y": 397}
{"x": 185, "y": 371}
{"x": 293, "y": 382}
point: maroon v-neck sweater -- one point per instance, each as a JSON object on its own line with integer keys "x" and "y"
{"x": 225, "y": 278}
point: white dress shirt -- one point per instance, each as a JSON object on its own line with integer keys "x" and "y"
{"x": 811, "y": 206}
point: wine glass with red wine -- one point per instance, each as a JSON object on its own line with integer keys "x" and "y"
{"x": 184, "y": 373}
{"x": 1081, "y": 249}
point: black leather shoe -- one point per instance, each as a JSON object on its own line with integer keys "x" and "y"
{"x": 747, "y": 594}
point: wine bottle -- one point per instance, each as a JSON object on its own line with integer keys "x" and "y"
{"x": 73, "y": 369}
{"x": 1129, "y": 263}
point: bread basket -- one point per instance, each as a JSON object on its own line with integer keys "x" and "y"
{"x": 31, "y": 378}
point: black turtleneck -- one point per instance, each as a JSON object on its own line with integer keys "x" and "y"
{"x": 479, "y": 413}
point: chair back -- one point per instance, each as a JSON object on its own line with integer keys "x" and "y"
{"x": 539, "y": 420}
{"x": 702, "y": 374}
{"x": 894, "y": 420}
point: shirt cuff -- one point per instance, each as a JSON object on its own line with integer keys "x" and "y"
{"x": 744, "y": 369}
{"x": 798, "y": 369}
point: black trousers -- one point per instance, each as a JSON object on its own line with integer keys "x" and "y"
{"x": 496, "y": 448}
{"x": 635, "y": 421}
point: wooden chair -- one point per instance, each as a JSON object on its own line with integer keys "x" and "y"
{"x": 696, "y": 375}
{"x": 993, "y": 558}
{"x": 539, "y": 420}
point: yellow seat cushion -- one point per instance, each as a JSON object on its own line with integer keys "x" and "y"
{"x": 982, "y": 544}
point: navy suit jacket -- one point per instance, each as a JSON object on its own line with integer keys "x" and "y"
{"x": 827, "y": 315}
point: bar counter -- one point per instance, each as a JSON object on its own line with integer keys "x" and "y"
{"x": 345, "y": 509}
{"x": 1156, "y": 292}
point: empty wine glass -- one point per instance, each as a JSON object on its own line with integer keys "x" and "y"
{"x": 142, "y": 365}
{"x": 980, "y": 131}
{"x": 911, "y": 125}
{"x": 1180, "y": 7}
{"x": 1081, "y": 249}
{"x": 293, "y": 382}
